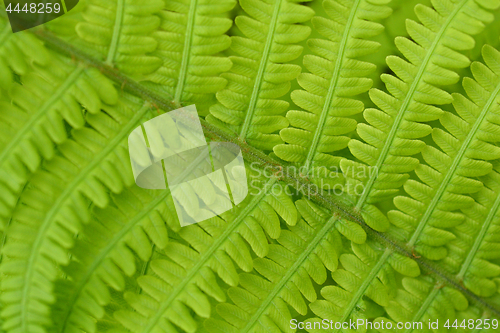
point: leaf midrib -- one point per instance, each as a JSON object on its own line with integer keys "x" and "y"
{"x": 117, "y": 29}
{"x": 291, "y": 271}
{"x": 186, "y": 55}
{"x": 331, "y": 89}
{"x": 35, "y": 250}
{"x": 260, "y": 74}
{"x": 207, "y": 255}
{"x": 423, "y": 308}
{"x": 367, "y": 282}
{"x": 409, "y": 97}
{"x": 452, "y": 170}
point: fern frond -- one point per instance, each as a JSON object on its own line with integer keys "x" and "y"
{"x": 185, "y": 279}
{"x": 450, "y": 173}
{"x": 366, "y": 281}
{"x": 119, "y": 32}
{"x": 17, "y": 52}
{"x": 86, "y": 250}
{"x": 474, "y": 254}
{"x": 261, "y": 74}
{"x": 304, "y": 253}
{"x": 55, "y": 206}
{"x": 35, "y": 116}
{"x": 105, "y": 254}
{"x": 191, "y": 35}
{"x": 336, "y": 76}
{"x": 390, "y": 139}
{"x": 422, "y": 300}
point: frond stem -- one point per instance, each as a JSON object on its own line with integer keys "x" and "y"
{"x": 260, "y": 74}
{"x": 186, "y": 55}
{"x": 331, "y": 89}
{"x": 423, "y": 308}
{"x": 364, "y": 286}
{"x": 113, "y": 48}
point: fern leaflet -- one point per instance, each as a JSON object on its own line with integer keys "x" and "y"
{"x": 260, "y": 75}
{"x": 336, "y": 76}
{"x": 392, "y": 134}
{"x": 191, "y": 35}
{"x": 449, "y": 177}
{"x": 119, "y": 32}
{"x": 286, "y": 274}
{"x": 94, "y": 161}
{"x": 216, "y": 244}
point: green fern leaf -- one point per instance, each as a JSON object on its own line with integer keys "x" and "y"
{"x": 355, "y": 281}
{"x": 479, "y": 267}
{"x": 428, "y": 214}
{"x": 101, "y": 263}
{"x": 191, "y": 67}
{"x": 85, "y": 250}
{"x": 119, "y": 32}
{"x": 92, "y": 163}
{"x": 46, "y": 100}
{"x": 250, "y": 104}
{"x": 17, "y": 52}
{"x": 336, "y": 75}
{"x": 423, "y": 300}
{"x": 304, "y": 254}
{"x": 216, "y": 244}
{"x": 392, "y": 134}
{"x": 366, "y": 282}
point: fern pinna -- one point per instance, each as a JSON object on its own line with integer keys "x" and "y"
{"x": 373, "y": 199}
{"x": 250, "y": 104}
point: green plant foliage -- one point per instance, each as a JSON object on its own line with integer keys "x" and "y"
{"x": 479, "y": 267}
{"x": 304, "y": 254}
{"x": 17, "y": 53}
{"x": 394, "y": 212}
{"x": 120, "y": 32}
{"x": 191, "y": 70}
{"x": 423, "y": 300}
{"x": 127, "y": 228}
{"x": 186, "y": 277}
{"x": 261, "y": 72}
{"x": 449, "y": 175}
{"x": 335, "y": 75}
{"x": 391, "y": 134}
{"x": 46, "y": 99}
